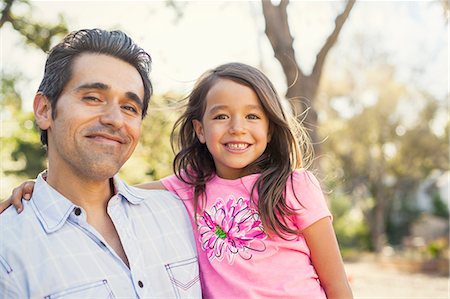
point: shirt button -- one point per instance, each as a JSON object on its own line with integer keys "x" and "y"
{"x": 140, "y": 284}
{"x": 77, "y": 211}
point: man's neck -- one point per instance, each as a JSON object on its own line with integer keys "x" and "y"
{"x": 93, "y": 197}
{"x": 87, "y": 193}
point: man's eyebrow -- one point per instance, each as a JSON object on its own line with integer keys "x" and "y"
{"x": 135, "y": 98}
{"x": 95, "y": 85}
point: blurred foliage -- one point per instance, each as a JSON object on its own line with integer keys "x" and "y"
{"x": 440, "y": 208}
{"x": 400, "y": 218}
{"x": 11, "y": 99}
{"x": 26, "y": 149}
{"x": 381, "y": 145}
{"x": 20, "y": 135}
{"x": 349, "y": 224}
{"x": 36, "y": 33}
{"x": 437, "y": 248}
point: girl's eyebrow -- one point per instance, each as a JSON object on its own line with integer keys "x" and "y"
{"x": 217, "y": 108}
{"x": 248, "y": 107}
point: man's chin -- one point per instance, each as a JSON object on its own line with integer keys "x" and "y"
{"x": 99, "y": 171}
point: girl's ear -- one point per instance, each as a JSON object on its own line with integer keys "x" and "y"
{"x": 198, "y": 127}
{"x": 42, "y": 111}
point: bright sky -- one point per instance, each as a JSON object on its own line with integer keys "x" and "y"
{"x": 413, "y": 34}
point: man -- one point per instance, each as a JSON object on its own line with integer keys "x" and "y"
{"x": 86, "y": 234}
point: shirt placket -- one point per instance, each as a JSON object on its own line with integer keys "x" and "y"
{"x": 78, "y": 218}
{"x": 130, "y": 244}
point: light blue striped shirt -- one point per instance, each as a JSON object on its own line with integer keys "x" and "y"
{"x": 50, "y": 251}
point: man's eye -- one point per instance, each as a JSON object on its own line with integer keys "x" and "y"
{"x": 221, "y": 116}
{"x": 91, "y": 99}
{"x": 130, "y": 108}
{"x": 253, "y": 116}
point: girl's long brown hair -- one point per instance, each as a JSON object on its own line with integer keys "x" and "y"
{"x": 288, "y": 149}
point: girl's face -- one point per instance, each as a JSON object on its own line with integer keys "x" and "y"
{"x": 234, "y": 127}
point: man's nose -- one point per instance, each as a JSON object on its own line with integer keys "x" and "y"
{"x": 112, "y": 116}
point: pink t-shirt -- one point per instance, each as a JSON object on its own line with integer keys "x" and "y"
{"x": 237, "y": 259}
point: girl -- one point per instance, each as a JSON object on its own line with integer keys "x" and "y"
{"x": 262, "y": 225}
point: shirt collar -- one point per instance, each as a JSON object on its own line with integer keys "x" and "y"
{"x": 53, "y": 208}
{"x": 131, "y": 194}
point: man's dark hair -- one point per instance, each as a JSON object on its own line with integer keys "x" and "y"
{"x": 58, "y": 67}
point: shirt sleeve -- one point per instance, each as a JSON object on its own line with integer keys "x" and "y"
{"x": 307, "y": 198}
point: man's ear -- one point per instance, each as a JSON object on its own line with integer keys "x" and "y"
{"x": 198, "y": 127}
{"x": 42, "y": 111}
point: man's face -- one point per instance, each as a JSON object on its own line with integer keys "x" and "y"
{"x": 98, "y": 118}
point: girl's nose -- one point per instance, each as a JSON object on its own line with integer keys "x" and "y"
{"x": 237, "y": 127}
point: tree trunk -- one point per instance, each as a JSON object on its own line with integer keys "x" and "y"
{"x": 376, "y": 216}
{"x": 378, "y": 231}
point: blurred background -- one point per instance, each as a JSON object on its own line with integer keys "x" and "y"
{"x": 369, "y": 79}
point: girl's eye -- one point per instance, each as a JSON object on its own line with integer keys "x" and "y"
{"x": 221, "y": 116}
{"x": 253, "y": 116}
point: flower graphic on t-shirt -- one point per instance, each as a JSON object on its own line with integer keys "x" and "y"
{"x": 229, "y": 228}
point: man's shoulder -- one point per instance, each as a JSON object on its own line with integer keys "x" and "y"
{"x": 18, "y": 228}
{"x": 9, "y": 218}
{"x": 159, "y": 199}
{"x": 160, "y": 203}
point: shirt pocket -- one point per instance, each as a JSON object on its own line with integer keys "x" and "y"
{"x": 98, "y": 289}
{"x": 185, "y": 279}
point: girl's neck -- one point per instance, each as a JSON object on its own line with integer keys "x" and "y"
{"x": 240, "y": 174}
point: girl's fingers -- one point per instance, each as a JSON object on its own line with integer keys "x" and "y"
{"x": 23, "y": 191}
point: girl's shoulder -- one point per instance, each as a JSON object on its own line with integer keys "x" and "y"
{"x": 307, "y": 197}
{"x": 304, "y": 183}
{"x": 305, "y": 178}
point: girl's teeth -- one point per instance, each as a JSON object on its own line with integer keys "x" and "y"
{"x": 237, "y": 146}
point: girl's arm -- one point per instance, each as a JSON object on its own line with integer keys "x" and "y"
{"x": 151, "y": 186}
{"x": 327, "y": 260}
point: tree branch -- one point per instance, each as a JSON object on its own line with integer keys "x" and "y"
{"x": 6, "y": 12}
{"x": 37, "y": 34}
{"x": 331, "y": 40}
